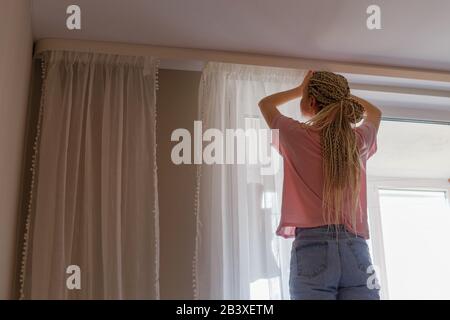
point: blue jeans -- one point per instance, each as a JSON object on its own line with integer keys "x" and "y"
{"x": 331, "y": 263}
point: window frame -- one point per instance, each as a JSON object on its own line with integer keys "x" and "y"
{"x": 375, "y": 223}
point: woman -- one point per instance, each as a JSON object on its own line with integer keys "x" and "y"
{"x": 324, "y": 188}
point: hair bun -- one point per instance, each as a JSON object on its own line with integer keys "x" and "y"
{"x": 353, "y": 110}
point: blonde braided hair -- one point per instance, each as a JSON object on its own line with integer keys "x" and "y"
{"x": 337, "y": 111}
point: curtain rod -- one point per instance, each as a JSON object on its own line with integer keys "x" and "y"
{"x": 394, "y": 119}
{"x": 237, "y": 57}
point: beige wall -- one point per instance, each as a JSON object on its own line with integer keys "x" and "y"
{"x": 15, "y": 63}
{"x": 177, "y": 108}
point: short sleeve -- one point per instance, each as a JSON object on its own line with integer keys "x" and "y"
{"x": 368, "y": 137}
{"x": 282, "y": 128}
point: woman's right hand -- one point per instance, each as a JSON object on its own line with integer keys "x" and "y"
{"x": 373, "y": 114}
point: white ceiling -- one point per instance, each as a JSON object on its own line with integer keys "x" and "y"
{"x": 415, "y": 33}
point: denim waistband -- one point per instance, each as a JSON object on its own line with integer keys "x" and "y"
{"x": 325, "y": 232}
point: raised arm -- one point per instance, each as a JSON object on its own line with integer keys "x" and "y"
{"x": 269, "y": 104}
{"x": 373, "y": 114}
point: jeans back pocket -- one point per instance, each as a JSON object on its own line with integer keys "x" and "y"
{"x": 312, "y": 256}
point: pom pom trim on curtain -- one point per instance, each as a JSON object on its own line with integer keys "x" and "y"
{"x": 150, "y": 67}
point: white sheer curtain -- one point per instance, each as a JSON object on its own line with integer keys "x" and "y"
{"x": 238, "y": 255}
{"x": 93, "y": 197}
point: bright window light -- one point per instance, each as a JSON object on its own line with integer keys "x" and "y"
{"x": 416, "y": 240}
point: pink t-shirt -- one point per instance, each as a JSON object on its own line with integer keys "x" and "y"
{"x": 303, "y": 175}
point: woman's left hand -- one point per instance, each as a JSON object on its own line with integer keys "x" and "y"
{"x": 307, "y": 77}
{"x": 305, "y": 81}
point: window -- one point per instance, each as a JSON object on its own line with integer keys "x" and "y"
{"x": 409, "y": 225}
{"x": 415, "y": 226}
{"x": 408, "y": 205}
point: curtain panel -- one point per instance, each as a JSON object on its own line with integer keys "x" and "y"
{"x": 238, "y": 255}
{"x": 92, "y": 223}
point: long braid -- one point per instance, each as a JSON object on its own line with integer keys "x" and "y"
{"x": 341, "y": 162}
